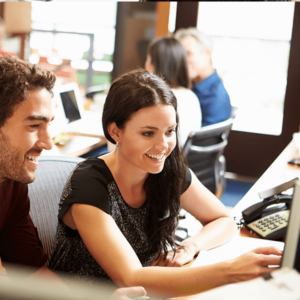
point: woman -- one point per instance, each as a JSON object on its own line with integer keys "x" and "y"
{"x": 118, "y": 212}
{"x": 167, "y": 58}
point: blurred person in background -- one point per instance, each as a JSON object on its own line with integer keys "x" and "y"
{"x": 167, "y": 58}
{"x": 207, "y": 85}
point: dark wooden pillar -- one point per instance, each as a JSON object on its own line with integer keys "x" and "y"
{"x": 187, "y": 14}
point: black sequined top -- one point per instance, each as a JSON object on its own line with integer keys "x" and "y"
{"x": 91, "y": 182}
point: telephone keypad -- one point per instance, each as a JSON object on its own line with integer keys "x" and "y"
{"x": 270, "y": 224}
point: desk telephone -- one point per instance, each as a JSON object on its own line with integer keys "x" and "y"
{"x": 268, "y": 218}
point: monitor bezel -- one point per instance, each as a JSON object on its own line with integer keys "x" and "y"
{"x": 72, "y": 86}
{"x": 292, "y": 238}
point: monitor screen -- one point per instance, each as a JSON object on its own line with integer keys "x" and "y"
{"x": 70, "y": 105}
{"x": 291, "y": 253}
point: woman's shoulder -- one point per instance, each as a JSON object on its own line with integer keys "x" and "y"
{"x": 87, "y": 184}
{"x": 91, "y": 170}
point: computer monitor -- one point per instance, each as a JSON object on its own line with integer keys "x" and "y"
{"x": 69, "y": 101}
{"x": 291, "y": 253}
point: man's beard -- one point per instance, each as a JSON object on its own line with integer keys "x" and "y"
{"x": 12, "y": 164}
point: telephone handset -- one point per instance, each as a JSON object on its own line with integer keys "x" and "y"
{"x": 268, "y": 218}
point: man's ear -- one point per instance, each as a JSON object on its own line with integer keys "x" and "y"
{"x": 114, "y": 131}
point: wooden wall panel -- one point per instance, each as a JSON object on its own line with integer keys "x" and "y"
{"x": 162, "y": 19}
{"x": 17, "y": 17}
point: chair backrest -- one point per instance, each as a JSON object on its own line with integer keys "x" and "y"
{"x": 203, "y": 149}
{"x": 44, "y": 194}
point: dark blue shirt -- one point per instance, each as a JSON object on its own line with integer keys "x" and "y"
{"x": 214, "y": 100}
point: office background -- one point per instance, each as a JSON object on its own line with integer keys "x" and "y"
{"x": 94, "y": 43}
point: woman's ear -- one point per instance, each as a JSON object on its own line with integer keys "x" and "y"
{"x": 113, "y": 131}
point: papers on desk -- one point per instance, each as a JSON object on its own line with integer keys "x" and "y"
{"x": 233, "y": 249}
{"x": 282, "y": 284}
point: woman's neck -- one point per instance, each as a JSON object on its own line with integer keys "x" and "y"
{"x": 130, "y": 179}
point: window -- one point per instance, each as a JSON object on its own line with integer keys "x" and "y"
{"x": 81, "y": 37}
{"x": 251, "y": 51}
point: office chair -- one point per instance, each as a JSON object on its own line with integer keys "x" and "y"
{"x": 204, "y": 149}
{"x": 44, "y": 194}
{"x": 204, "y": 152}
{"x": 93, "y": 90}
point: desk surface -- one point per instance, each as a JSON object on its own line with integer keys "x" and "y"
{"x": 79, "y": 145}
{"x": 279, "y": 172}
{"x": 78, "y": 140}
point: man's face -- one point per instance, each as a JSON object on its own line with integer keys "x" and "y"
{"x": 198, "y": 61}
{"x": 23, "y": 137}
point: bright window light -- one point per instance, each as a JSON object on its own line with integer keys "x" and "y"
{"x": 102, "y": 66}
{"x": 172, "y": 16}
{"x": 54, "y": 60}
{"x": 251, "y": 54}
{"x": 34, "y": 58}
{"x": 81, "y": 64}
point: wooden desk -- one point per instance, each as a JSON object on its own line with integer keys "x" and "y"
{"x": 279, "y": 172}
{"x": 79, "y": 145}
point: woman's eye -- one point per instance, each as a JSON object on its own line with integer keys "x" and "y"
{"x": 149, "y": 133}
{"x": 170, "y": 132}
{"x": 35, "y": 126}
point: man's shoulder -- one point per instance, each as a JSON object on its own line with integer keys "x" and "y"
{"x": 212, "y": 87}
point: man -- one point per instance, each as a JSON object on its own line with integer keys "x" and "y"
{"x": 207, "y": 85}
{"x": 25, "y": 116}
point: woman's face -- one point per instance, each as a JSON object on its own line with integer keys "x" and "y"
{"x": 148, "y": 137}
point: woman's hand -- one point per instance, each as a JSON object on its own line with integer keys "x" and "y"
{"x": 127, "y": 293}
{"x": 182, "y": 257}
{"x": 254, "y": 263}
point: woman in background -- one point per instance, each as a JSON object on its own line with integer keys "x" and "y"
{"x": 166, "y": 57}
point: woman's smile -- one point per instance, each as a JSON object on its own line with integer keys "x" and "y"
{"x": 157, "y": 157}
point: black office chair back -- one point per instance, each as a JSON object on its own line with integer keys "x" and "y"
{"x": 203, "y": 150}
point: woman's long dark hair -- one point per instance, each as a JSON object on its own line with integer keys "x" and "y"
{"x": 169, "y": 59}
{"x": 129, "y": 93}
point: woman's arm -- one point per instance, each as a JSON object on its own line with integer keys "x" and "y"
{"x": 112, "y": 251}
{"x": 218, "y": 226}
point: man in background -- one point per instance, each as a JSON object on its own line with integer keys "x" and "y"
{"x": 25, "y": 116}
{"x": 207, "y": 85}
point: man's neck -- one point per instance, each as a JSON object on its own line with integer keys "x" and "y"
{"x": 208, "y": 72}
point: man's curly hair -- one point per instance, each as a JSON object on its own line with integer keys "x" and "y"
{"x": 17, "y": 79}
